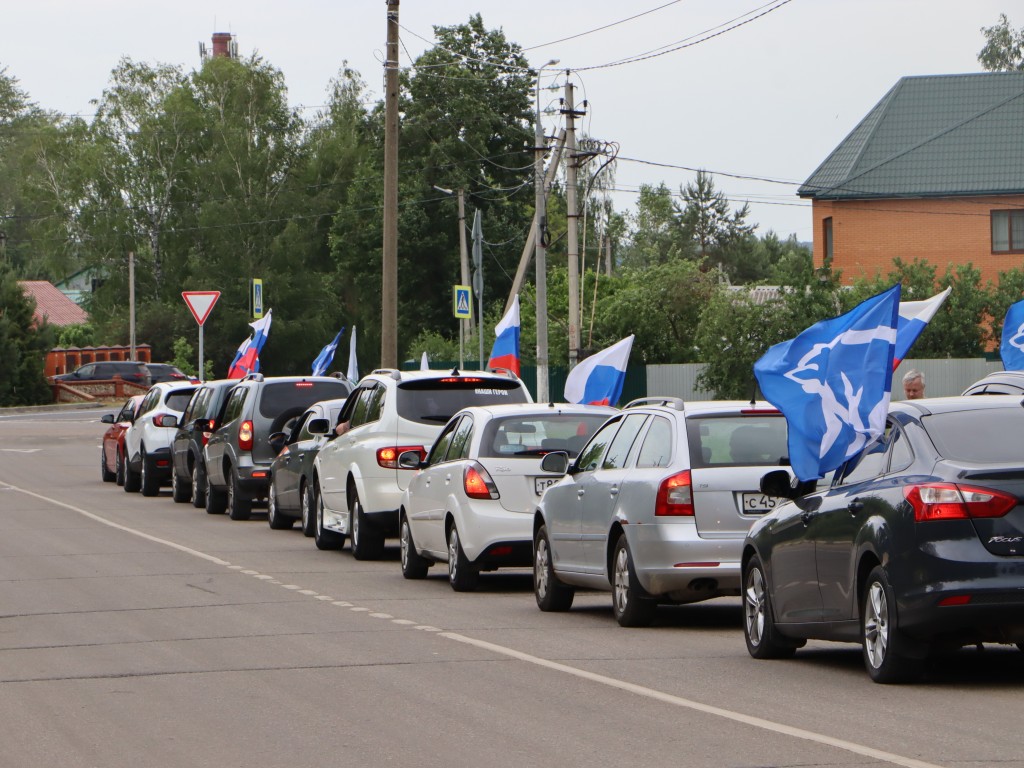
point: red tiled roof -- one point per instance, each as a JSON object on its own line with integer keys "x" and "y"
{"x": 52, "y": 305}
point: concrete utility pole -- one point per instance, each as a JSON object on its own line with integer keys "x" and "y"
{"x": 478, "y": 281}
{"x": 539, "y": 235}
{"x": 131, "y": 306}
{"x": 465, "y": 326}
{"x": 572, "y": 215}
{"x": 389, "y": 265}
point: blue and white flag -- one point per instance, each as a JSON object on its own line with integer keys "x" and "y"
{"x": 1011, "y": 348}
{"x": 832, "y": 383}
{"x": 326, "y": 357}
{"x": 598, "y": 380}
{"x": 914, "y": 318}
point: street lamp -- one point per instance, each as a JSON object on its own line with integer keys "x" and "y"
{"x": 540, "y": 246}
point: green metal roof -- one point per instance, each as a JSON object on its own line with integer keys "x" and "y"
{"x": 930, "y": 136}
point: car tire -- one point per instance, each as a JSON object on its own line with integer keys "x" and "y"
{"x": 216, "y": 499}
{"x": 631, "y": 604}
{"x": 367, "y": 542}
{"x": 275, "y": 518}
{"x": 105, "y": 474}
{"x": 414, "y": 565}
{"x": 181, "y": 490}
{"x": 239, "y": 506}
{"x": 149, "y": 483}
{"x": 323, "y": 538}
{"x": 308, "y": 506}
{"x": 132, "y": 479}
{"x": 119, "y": 478}
{"x": 883, "y": 643}
{"x": 551, "y": 594}
{"x": 198, "y": 480}
{"x": 763, "y": 639}
{"x": 463, "y": 575}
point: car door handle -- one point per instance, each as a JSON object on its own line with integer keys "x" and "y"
{"x": 856, "y": 506}
{"x": 579, "y": 493}
{"x": 807, "y": 517}
{"x": 447, "y": 479}
{"x": 613, "y": 491}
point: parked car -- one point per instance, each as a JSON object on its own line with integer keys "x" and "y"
{"x": 471, "y": 502}
{"x": 656, "y": 506}
{"x": 147, "y": 442}
{"x": 998, "y": 383}
{"x": 200, "y": 419}
{"x": 129, "y": 370}
{"x": 239, "y": 453}
{"x": 916, "y": 544}
{"x": 112, "y": 450}
{"x": 359, "y": 484}
{"x": 164, "y": 372}
{"x": 291, "y": 474}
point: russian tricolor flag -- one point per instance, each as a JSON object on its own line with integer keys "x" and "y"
{"x": 505, "y": 353}
{"x": 247, "y": 358}
{"x": 598, "y": 379}
{"x": 914, "y": 318}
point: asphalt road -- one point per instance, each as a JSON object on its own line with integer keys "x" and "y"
{"x": 140, "y": 632}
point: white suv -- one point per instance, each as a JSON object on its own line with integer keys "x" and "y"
{"x": 147, "y": 442}
{"x": 357, "y": 479}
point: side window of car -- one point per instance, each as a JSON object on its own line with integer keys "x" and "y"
{"x": 375, "y": 406}
{"x": 589, "y": 459}
{"x": 656, "y": 450}
{"x": 361, "y": 408}
{"x": 440, "y": 448}
{"x": 900, "y": 456}
{"x": 126, "y": 412}
{"x": 623, "y": 441}
{"x": 299, "y": 431}
{"x": 459, "y": 449}
{"x": 86, "y": 370}
{"x": 151, "y": 401}
{"x": 195, "y": 405}
{"x": 234, "y": 407}
{"x": 872, "y": 461}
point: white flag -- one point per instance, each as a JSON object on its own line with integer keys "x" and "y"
{"x": 353, "y": 365}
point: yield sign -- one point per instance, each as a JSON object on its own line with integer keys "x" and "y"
{"x": 200, "y": 303}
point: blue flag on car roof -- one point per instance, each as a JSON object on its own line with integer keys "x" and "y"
{"x": 832, "y": 383}
{"x": 1011, "y": 348}
{"x": 326, "y": 357}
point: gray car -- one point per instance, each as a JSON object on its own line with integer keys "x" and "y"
{"x": 656, "y": 506}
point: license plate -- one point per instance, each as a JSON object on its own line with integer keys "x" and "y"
{"x": 759, "y": 503}
{"x": 540, "y": 483}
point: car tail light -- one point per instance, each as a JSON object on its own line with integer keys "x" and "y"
{"x": 245, "y": 436}
{"x": 210, "y": 426}
{"x": 675, "y": 496}
{"x": 949, "y": 501}
{"x": 478, "y": 483}
{"x": 158, "y": 420}
{"x": 388, "y": 457}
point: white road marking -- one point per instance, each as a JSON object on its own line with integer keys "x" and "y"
{"x": 622, "y": 685}
{"x": 21, "y": 450}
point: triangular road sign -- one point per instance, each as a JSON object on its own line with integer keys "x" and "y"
{"x": 200, "y": 303}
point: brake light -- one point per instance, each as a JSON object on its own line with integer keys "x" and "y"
{"x": 758, "y": 411}
{"x": 388, "y": 457}
{"x": 949, "y": 501}
{"x": 245, "y": 436}
{"x": 303, "y": 384}
{"x": 675, "y": 496}
{"x": 478, "y": 483}
{"x": 457, "y": 379}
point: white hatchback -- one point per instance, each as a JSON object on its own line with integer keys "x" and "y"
{"x": 147, "y": 442}
{"x": 471, "y": 503}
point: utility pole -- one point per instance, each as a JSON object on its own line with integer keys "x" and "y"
{"x": 572, "y": 215}
{"x": 131, "y": 305}
{"x": 540, "y": 244}
{"x": 465, "y": 326}
{"x": 608, "y": 255}
{"x": 389, "y": 265}
{"x": 478, "y": 280}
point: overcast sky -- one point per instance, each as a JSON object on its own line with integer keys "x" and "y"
{"x": 769, "y": 99}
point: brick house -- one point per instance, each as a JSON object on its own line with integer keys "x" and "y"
{"x": 934, "y": 171}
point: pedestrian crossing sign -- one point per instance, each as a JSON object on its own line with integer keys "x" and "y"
{"x": 462, "y": 302}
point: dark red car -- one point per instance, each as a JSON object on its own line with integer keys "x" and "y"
{"x": 112, "y": 452}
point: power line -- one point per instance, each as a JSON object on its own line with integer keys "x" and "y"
{"x": 598, "y": 29}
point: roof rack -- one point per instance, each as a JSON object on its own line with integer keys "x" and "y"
{"x": 253, "y": 377}
{"x": 504, "y": 372}
{"x": 394, "y": 373}
{"x": 669, "y": 402}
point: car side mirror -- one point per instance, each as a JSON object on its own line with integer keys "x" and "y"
{"x": 556, "y": 462}
{"x": 277, "y": 440}
{"x": 318, "y": 426}
{"x": 409, "y": 460}
{"x": 107, "y": 418}
{"x": 169, "y": 420}
{"x": 779, "y": 483}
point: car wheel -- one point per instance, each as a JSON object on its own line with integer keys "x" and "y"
{"x": 323, "y": 538}
{"x": 239, "y": 505}
{"x": 414, "y": 565}
{"x": 631, "y": 604}
{"x": 119, "y": 479}
{"x": 275, "y": 519}
{"x": 105, "y": 474}
{"x": 198, "y": 486}
{"x": 216, "y": 499}
{"x": 149, "y": 484}
{"x": 883, "y": 642}
{"x": 181, "y": 490}
{"x": 462, "y": 574}
{"x": 132, "y": 480}
{"x": 551, "y": 594}
{"x": 308, "y": 506}
{"x": 763, "y": 640}
{"x": 367, "y": 542}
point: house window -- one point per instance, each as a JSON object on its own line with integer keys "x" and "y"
{"x": 827, "y": 240}
{"x": 1007, "y": 231}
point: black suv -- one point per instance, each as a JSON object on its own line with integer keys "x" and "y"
{"x": 239, "y": 452}
{"x": 129, "y": 370}
{"x": 201, "y": 418}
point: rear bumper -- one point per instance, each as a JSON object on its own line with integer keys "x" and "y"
{"x": 672, "y": 560}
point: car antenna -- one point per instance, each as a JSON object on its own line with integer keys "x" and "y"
{"x": 455, "y": 371}
{"x": 753, "y": 393}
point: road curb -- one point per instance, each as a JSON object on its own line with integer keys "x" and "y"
{"x": 52, "y": 407}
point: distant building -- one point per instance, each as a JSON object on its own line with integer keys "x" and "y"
{"x": 223, "y": 45}
{"x": 81, "y": 285}
{"x": 52, "y": 306}
{"x": 934, "y": 171}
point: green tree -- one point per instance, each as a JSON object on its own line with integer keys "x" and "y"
{"x": 1004, "y": 47}
{"x": 719, "y": 236}
{"x": 23, "y": 346}
{"x": 656, "y": 236}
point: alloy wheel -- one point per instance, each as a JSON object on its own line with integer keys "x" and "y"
{"x": 876, "y": 625}
{"x": 753, "y": 606}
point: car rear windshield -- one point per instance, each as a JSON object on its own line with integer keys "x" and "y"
{"x": 535, "y": 435}
{"x": 178, "y": 400}
{"x": 283, "y": 396}
{"x": 979, "y": 435}
{"x": 435, "y": 401}
{"x": 735, "y": 441}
